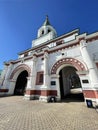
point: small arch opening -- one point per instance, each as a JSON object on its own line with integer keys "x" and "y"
{"x": 42, "y": 32}
{"x": 49, "y": 30}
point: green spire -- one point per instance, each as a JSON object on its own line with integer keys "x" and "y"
{"x": 46, "y": 21}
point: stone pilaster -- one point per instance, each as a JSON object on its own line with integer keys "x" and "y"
{"x": 45, "y": 87}
{"x": 90, "y": 89}
{"x": 46, "y": 75}
{"x": 2, "y": 78}
{"x": 89, "y": 62}
{"x": 33, "y": 75}
{"x": 55, "y": 77}
{"x": 7, "y": 75}
{"x": 31, "y": 79}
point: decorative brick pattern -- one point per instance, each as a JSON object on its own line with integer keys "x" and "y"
{"x": 92, "y": 38}
{"x": 75, "y": 63}
{"x": 22, "y": 66}
{"x": 42, "y": 92}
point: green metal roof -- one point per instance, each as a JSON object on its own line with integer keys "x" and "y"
{"x": 46, "y": 21}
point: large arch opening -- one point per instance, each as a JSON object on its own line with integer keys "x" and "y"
{"x": 70, "y": 85}
{"x": 21, "y": 83}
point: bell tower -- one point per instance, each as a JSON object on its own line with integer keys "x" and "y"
{"x": 45, "y": 33}
{"x": 46, "y": 28}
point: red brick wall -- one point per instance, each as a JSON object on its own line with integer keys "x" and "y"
{"x": 90, "y": 93}
{"x": 42, "y": 92}
{"x": 3, "y": 90}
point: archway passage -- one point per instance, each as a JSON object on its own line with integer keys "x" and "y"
{"x": 21, "y": 83}
{"x": 70, "y": 86}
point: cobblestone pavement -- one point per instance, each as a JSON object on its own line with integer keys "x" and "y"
{"x": 19, "y": 114}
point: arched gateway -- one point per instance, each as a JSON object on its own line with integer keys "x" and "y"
{"x": 21, "y": 83}
{"x": 69, "y": 81}
{"x": 19, "y": 79}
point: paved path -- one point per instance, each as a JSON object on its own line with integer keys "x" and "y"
{"x": 19, "y": 114}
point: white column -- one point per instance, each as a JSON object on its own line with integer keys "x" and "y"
{"x": 89, "y": 62}
{"x": 2, "y": 78}
{"x": 32, "y": 78}
{"x": 7, "y": 76}
{"x": 8, "y": 71}
{"x": 33, "y": 75}
{"x": 46, "y": 75}
{"x": 58, "y": 88}
{"x": 55, "y": 78}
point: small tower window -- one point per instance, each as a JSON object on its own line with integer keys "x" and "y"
{"x": 42, "y": 32}
{"x": 49, "y": 30}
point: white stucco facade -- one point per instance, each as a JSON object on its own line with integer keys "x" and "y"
{"x": 50, "y": 58}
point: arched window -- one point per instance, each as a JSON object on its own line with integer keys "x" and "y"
{"x": 49, "y": 30}
{"x": 42, "y": 32}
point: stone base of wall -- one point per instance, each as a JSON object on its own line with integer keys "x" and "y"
{"x": 3, "y": 92}
{"x": 29, "y": 97}
{"x": 42, "y": 92}
{"x": 44, "y": 98}
{"x": 42, "y": 95}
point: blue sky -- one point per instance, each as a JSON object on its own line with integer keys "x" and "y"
{"x": 20, "y": 20}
